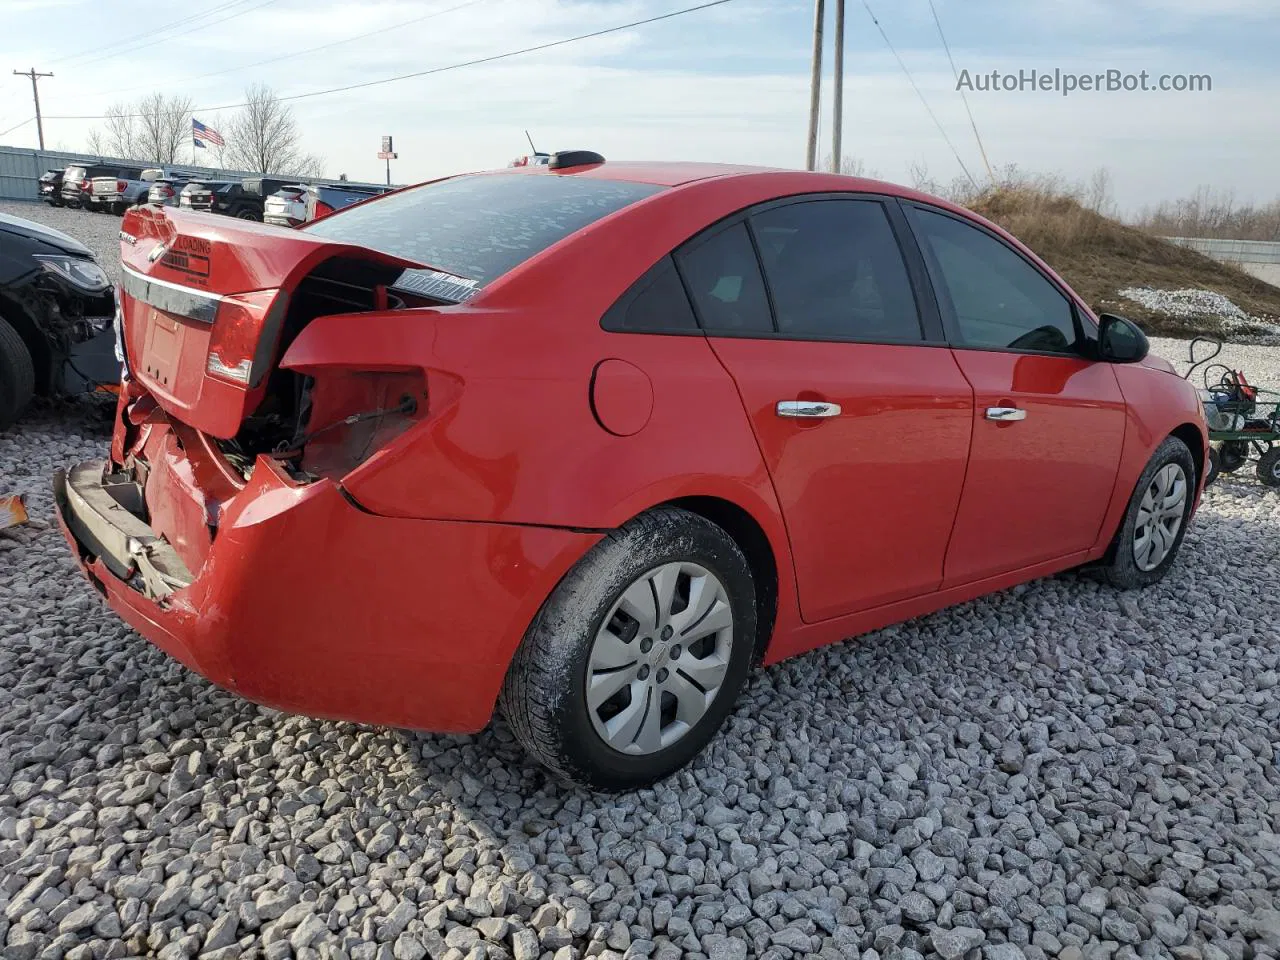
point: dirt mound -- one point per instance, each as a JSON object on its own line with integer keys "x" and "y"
{"x": 1162, "y": 283}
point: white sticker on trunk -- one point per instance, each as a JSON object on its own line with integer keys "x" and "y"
{"x": 438, "y": 285}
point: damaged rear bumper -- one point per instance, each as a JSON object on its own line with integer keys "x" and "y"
{"x": 103, "y": 511}
{"x": 307, "y": 603}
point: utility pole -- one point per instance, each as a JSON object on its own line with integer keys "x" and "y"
{"x": 815, "y": 86}
{"x": 35, "y": 94}
{"x": 837, "y": 99}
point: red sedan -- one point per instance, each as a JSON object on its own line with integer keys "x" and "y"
{"x": 588, "y": 440}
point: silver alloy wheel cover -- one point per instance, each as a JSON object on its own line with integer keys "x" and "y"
{"x": 665, "y": 665}
{"x": 1160, "y": 516}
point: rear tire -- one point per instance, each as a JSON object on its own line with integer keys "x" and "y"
{"x": 17, "y": 375}
{"x": 584, "y": 635}
{"x": 1152, "y": 531}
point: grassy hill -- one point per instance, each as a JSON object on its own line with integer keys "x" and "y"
{"x": 1099, "y": 257}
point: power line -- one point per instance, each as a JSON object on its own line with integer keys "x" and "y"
{"x": 937, "y": 123}
{"x": 453, "y": 66}
{"x": 173, "y": 36}
{"x": 148, "y": 33}
{"x": 16, "y": 126}
{"x": 309, "y": 50}
{"x": 956, "y": 73}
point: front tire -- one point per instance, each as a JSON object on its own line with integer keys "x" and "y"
{"x": 637, "y": 657}
{"x": 17, "y": 375}
{"x": 1155, "y": 523}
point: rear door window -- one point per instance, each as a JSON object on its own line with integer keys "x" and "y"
{"x": 835, "y": 272}
{"x": 722, "y": 275}
{"x": 479, "y": 227}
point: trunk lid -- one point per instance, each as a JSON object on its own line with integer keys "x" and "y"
{"x": 203, "y": 300}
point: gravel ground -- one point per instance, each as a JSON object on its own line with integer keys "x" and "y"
{"x": 1055, "y": 771}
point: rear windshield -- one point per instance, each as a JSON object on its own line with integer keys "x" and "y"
{"x": 74, "y": 173}
{"x": 477, "y": 227}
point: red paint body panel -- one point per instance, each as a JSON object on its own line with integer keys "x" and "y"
{"x": 1156, "y": 404}
{"x": 408, "y": 623}
{"x": 396, "y": 591}
{"x": 869, "y": 496}
{"x": 1039, "y": 488}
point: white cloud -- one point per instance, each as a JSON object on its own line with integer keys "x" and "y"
{"x": 724, "y": 84}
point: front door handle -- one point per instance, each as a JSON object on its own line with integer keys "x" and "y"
{"x": 1006, "y": 414}
{"x": 809, "y": 409}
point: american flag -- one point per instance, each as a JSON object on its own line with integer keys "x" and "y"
{"x": 203, "y": 136}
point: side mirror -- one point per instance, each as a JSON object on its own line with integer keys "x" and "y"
{"x": 1121, "y": 340}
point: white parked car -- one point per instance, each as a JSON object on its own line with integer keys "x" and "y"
{"x": 287, "y": 207}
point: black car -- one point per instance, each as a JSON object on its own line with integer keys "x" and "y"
{"x": 77, "y": 183}
{"x": 237, "y": 198}
{"x": 57, "y": 309}
{"x": 49, "y": 188}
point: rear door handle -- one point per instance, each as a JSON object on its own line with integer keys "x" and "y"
{"x": 1006, "y": 414}
{"x": 808, "y": 409}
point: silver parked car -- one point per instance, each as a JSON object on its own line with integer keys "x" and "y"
{"x": 287, "y": 207}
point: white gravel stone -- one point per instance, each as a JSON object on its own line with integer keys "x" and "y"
{"x": 967, "y": 780}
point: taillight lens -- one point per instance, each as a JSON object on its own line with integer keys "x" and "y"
{"x": 120, "y": 186}
{"x": 237, "y": 333}
{"x": 322, "y": 209}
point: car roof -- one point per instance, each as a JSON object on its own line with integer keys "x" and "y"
{"x": 679, "y": 173}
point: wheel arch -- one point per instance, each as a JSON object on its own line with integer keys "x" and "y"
{"x": 750, "y": 537}
{"x": 1196, "y": 442}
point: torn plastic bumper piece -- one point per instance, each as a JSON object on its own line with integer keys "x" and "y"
{"x": 103, "y": 511}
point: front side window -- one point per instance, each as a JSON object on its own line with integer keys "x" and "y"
{"x": 722, "y": 275}
{"x": 835, "y": 272}
{"x": 999, "y": 300}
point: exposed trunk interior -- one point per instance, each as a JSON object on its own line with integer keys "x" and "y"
{"x": 282, "y": 421}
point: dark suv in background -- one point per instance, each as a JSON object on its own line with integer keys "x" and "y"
{"x": 77, "y": 182}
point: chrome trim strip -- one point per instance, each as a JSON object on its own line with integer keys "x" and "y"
{"x": 170, "y": 297}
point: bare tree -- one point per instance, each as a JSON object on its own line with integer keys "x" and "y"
{"x": 850, "y": 166}
{"x": 263, "y": 135}
{"x": 153, "y": 129}
{"x": 164, "y": 126}
{"x": 119, "y": 134}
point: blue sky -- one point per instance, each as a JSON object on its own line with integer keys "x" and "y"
{"x": 730, "y": 83}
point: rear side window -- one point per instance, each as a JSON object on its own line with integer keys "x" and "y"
{"x": 656, "y": 303}
{"x": 722, "y": 275}
{"x": 999, "y": 300}
{"x": 836, "y": 273}
{"x": 480, "y": 227}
